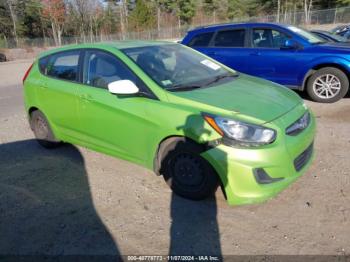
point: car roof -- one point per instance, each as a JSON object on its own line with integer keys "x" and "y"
{"x": 114, "y": 44}
{"x": 250, "y": 24}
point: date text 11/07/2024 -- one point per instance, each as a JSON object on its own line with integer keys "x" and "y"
{"x": 173, "y": 258}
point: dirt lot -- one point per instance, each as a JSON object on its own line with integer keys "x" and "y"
{"x": 75, "y": 201}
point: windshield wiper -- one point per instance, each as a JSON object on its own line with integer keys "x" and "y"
{"x": 218, "y": 78}
{"x": 319, "y": 42}
{"x": 183, "y": 87}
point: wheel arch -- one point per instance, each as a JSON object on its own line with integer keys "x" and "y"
{"x": 53, "y": 127}
{"x": 173, "y": 138}
{"x": 311, "y": 71}
{"x": 32, "y": 109}
{"x": 163, "y": 145}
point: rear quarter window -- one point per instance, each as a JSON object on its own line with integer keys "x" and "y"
{"x": 43, "y": 64}
{"x": 63, "y": 65}
{"x": 202, "y": 40}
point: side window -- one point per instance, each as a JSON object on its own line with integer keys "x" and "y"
{"x": 101, "y": 68}
{"x": 230, "y": 38}
{"x": 201, "y": 40}
{"x": 268, "y": 38}
{"x": 64, "y": 65}
{"x": 43, "y": 64}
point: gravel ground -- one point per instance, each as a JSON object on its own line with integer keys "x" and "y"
{"x": 75, "y": 201}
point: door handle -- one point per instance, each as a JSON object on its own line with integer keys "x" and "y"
{"x": 210, "y": 53}
{"x": 86, "y": 97}
{"x": 255, "y": 54}
{"x": 42, "y": 84}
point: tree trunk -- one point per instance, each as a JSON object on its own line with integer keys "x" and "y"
{"x": 13, "y": 18}
{"x": 122, "y": 25}
{"x": 54, "y": 33}
{"x": 278, "y": 10}
{"x": 158, "y": 20}
{"x": 307, "y": 10}
{"x": 91, "y": 31}
{"x": 59, "y": 36}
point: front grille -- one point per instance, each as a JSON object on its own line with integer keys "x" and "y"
{"x": 303, "y": 158}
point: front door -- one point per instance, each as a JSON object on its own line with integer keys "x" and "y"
{"x": 267, "y": 58}
{"x": 114, "y": 124}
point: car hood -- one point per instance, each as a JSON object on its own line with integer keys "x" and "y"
{"x": 336, "y": 47}
{"x": 250, "y": 96}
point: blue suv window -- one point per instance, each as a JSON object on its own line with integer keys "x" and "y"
{"x": 230, "y": 38}
{"x": 268, "y": 38}
{"x": 201, "y": 40}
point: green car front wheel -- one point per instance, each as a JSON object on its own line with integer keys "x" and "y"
{"x": 186, "y": 172}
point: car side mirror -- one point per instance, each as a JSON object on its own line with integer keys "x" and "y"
{"x": 123, "y": 87}
{"x": 290, "y": 44}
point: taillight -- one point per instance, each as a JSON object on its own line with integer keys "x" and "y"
{"x": 27, "y": 73}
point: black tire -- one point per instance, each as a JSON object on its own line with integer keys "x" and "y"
{"x": 338, "y": 74}
{"x": 185, "y": 171}
{"x": 42, "y": 130}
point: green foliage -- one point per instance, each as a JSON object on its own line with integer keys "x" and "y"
{"x": 185, "y": 10}
{"x": 237, "y": 9}
{"x": 98, "y": 17}
{"x": 210, "y": 6}
{"x": 5, "y": 20}
{"x": 31, "y": 21}
{"x": 142, "y": 16}
{"x": 344, "y": 2}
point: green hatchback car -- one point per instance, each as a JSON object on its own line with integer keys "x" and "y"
{"x": 169, "y": 108}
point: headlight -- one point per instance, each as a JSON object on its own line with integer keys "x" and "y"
{"x": 299, "y": 125}
{"x": 240, "y": 133}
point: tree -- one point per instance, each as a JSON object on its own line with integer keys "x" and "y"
{"x": 31, "y": 21}
{"x": 10, "y": 5}
{"x": 307, "y": 10}
{"x": 210, "y": 7}
{"x": 6, "y": 26}
{"x": 236, "y": 9}
{"x": 344, "y": 2}
{"x": 54, "y": 11}
{"x": 142, "y": 17}
{"x": 185, "y": 11}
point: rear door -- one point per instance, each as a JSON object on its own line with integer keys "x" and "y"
{"x": 57, "y": 90}
{"x": 201, "y": 42}
{"x": 228, "y": 46}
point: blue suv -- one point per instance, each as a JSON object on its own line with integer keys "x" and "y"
{"x": 284, "y": 54}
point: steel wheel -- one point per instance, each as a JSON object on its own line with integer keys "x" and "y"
{"x": 187, "y": 173}
{"x": 188, "y": 170}
{"x": 40, "y": 128}
{"x": 327, "y": 86}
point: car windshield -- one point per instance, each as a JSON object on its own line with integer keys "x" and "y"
{"x": 336, "y": 37}
{"x": 310, "y": 37}
{"x": 175, "y": 67}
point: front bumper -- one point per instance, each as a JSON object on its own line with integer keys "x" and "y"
{"x": 236, "y": 166}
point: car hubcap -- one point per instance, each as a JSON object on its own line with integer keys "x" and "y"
{"x": 327, "y": 86}
{"x": 188, "y": 170}
{"x": 41, "y": 128}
